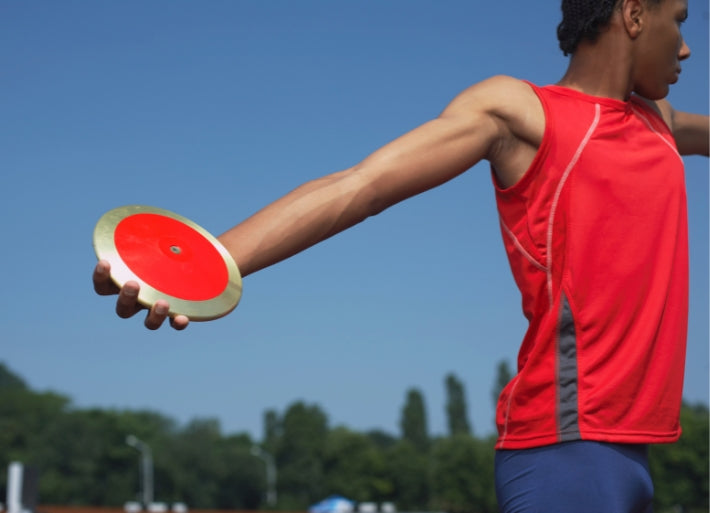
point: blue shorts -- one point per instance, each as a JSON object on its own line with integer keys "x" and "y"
{"x": 574, "y": 477}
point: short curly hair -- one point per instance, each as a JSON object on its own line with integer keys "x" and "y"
{"x": 584, "y": 20}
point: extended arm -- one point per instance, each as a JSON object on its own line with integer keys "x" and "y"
{"x": 479, "y": 124}
{"x": 483, "y": 122}
{"x": 426, "y": 157}
{"x": 691, "y": 131}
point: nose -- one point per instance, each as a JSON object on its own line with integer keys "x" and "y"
{"x": 684, "y": 51}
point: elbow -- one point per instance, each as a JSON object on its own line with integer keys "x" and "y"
{"x": 368, "y": 197}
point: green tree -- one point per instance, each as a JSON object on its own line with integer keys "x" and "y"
{"x": 25, "y": 417}
{"x": 82, "y": 448}
{"x": 462, "y": 478}
{"x": 272, "y": 429}
{"x": 414, "y": 421}
{"x": 407, "y": 468}
{"x": 201, "y": 467}
{"x": 354, "y": 467}
{"x": 189, "y": 465}
{"x": 456, "y": 411}
{"x": 9, "y": 380}
{"x": 382, "y": 440}
{"x": 299, "y": 456}
{"x": 156, "y": 430}
{"x": 240, "y": 485}
{"x": 83, "y": 458}
{"x": 680, "y": 470}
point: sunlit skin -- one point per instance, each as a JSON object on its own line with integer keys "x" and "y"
{"x": 499, "y": 120}
{"x": 640, "y": 53}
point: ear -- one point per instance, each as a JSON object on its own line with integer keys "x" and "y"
{"x": 632, "y": 16}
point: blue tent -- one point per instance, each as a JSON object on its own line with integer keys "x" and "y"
{"x": 333, "y": 504}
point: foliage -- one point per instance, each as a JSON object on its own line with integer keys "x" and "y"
{"x": 381, "y": 439}
{"x": 414, "y": 421}
{"x": 680, "y": 470}
{"x": 272, "y": 430}
{"x": 355, "y": 467}
{"x": 299, "y": 456}
{"x": 456, "y": 411}
{"x": 462, "y": 475}
{"x": 83, "y": 458}
{"x": 24, "y": 419}
{"x": 408, "y": 471}
{"x": 9, "y": 380}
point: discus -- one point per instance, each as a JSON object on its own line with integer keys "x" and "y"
{"x": 172, "y": 258}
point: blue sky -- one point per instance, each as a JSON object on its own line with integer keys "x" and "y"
{"x": 212, "y": 110}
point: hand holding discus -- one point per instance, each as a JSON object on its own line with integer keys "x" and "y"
{"x": 157, "y": 260}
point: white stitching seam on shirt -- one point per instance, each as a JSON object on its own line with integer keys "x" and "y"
{"x": 520, "y": 247}
{"x": 638, "y": 112}
{"x": 507, "y": 412}
{"x": 553, "y": 209}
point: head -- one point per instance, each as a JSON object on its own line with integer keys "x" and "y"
{"x": 648, "y": 29}
{"x": 585, "y": 20}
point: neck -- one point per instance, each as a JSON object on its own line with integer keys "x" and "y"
{"x": 601, "y": 68}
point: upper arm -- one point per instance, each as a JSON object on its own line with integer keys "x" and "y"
{"x": 473, "y": 127}
{"x": 691, "y": 131}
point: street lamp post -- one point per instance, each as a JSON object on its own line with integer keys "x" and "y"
{"x": 270, "y": 473}
{"x": 146, "y": 468}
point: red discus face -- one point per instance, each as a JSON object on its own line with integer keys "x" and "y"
{"x": 171, "y": 257}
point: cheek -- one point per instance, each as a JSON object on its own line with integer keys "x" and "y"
{"x": 668, "y": 46}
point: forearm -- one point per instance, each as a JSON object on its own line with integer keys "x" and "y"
{"x": 307, "y": 215}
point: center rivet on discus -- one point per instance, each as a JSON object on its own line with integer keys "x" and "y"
{"x": 176, "y": 249}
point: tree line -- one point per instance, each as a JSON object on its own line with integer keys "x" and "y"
{"x": 83, "y": 459}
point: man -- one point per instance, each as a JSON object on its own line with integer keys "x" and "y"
{"x": 590, "y": 192}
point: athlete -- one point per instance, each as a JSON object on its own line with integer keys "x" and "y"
{"x": 590, "y": 191}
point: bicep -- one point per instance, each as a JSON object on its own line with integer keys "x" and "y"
{"x": 437, "y": 151}
{"x": 424, "y": 158}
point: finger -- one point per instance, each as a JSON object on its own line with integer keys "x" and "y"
{"x": 127, "y": 303}
{"x": 179, "y": 322}
{"x": 157, "y": 315}
{"x": 103, "y": 285}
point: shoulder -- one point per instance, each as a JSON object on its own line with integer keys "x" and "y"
{"x": 512, "y": 104}
{"x": 498, "y": 95}
{"x": 509, "y": 111}
{"x": 691, "y": 131}
{"x": 661, "y": 107}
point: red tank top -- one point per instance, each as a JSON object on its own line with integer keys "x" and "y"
{"x": 596, "y": 236}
